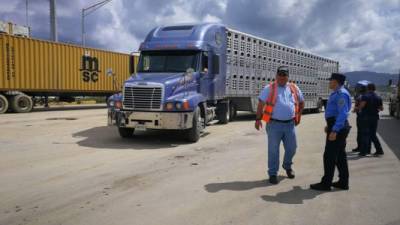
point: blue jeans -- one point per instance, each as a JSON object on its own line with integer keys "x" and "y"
{"x": 277, "y": 132}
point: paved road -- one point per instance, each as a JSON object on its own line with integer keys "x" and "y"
{"x": 68, "y": 167}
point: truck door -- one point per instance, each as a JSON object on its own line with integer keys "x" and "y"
{"x": 206, "y": 76}
{"x": 211, "y": 80}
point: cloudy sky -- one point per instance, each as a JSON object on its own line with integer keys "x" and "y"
{"x": 360, "y": 34}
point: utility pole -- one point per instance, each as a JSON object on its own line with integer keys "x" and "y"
{"x": 398, "y": 79}
{"x": 88, "y": 10}
{"x": 26, "y": 14}
{"x": 53, "y": 21}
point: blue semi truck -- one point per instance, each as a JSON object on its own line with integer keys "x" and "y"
{"x": 190, "y": 75}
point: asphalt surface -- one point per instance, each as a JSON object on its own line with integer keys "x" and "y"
{"x": 68, "y": 167}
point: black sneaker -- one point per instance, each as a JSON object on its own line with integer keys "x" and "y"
{"x": 290, "y": 173}
{"x": 355, "y": 150}
{"x": 273, "y": 179}
{"x": 378, "y": 153}
{"x": 340, "y": 185}
{"x": 320, "y": 187}
{"x": 362, "y": 154}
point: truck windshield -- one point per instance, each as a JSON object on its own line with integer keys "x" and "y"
{"x": 168, "y": 61}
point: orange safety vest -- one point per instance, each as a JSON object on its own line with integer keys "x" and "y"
{"x": 271, "y": 100}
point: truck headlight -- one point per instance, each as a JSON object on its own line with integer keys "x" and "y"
{"x": 169, "y": 106}
{"x": 178, "y": 105}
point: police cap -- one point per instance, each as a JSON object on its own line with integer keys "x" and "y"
{"x": 338, "y": 77}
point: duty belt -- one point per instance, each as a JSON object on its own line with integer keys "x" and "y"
{"x": 282, "y": 121}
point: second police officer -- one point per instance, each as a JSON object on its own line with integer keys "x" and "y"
{"x": 337, "y": 129}
{"x": 370, "y": 106}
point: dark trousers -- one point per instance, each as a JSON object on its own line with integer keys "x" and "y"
{"x": 335, "y": 156}
{"x": 369, "y": 127}
{"x": 359, "y": 133}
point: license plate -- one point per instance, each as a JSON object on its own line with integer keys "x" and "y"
{"x": 140, "y": 127}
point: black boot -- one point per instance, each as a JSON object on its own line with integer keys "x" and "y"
{"x": 340, "y": 185}
{"x": 320, "y": 187}
{"x": 290, "y": 174}
{"x": 273, "y": 180}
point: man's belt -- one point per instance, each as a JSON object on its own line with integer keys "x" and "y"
{"x": 282, "y": 121}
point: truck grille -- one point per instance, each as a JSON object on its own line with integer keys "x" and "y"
{"x": 142, "y": 98}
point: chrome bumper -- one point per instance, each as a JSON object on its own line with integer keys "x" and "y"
{"x": 151, "y": 120}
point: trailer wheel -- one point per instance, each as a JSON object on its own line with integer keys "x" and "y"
{"x": 3, "y": 104}
{"x": 232, "y": 112}
{"x": 21, "y": 103}
{"x": 223, "y": 113}
{"x": 320, "y": 104}
{"x": 193, "y": 134}
{"x": 391, "y": 109}
{"x": 125, "y": 132}
{"x": 324, "y": 103}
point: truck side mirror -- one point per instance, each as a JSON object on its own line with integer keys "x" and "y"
{"x": 131, "y": 64}
{"x": 215, "y": 64}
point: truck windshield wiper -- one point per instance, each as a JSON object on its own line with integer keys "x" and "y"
{"x": 177, "y": 71}
{"x": 150, "y": 71}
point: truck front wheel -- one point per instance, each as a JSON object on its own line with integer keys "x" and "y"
{"x": 125, "y": 132}
{"x": 193, "y": 134}
{"x": 3, "y": 104}
{"x": 21, "y": 103}
{"x": 223, "y": 113}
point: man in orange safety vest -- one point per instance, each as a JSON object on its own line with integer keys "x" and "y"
{"x": 280, "y": 107}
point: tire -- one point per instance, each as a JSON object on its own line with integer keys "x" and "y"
{"x": 3, "y": 104}
{"x": 232, "y": 112}
{"x": 21, "y": 103}
{"x": 397, "y": 112}
{"x": 391, "y": 110}
{"x": 193, "y": 134}
{"x": 126, "y": 132}
{"x": 224, "y": 114}
{"x": 320, "y": 104}
{"x": 324, "y": 103}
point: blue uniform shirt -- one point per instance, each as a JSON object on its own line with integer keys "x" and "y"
{"x": 339, "y": 105}
{"x": 284, "y": 106}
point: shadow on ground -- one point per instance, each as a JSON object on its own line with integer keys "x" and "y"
{"x": 70, "y": 108}
{"x": 108, "y": 138}
{"x": 245, "y": 116}
{"x": 397, "y": 222}
{"x": 238, "y": 185}
{"x": 295, "y": 196}
{"x": 389, "y": 131}
{"x": 355, "y": 156}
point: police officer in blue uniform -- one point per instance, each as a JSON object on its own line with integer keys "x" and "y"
{"x": 337, "y": 129}
{"x": 370, "y": 106}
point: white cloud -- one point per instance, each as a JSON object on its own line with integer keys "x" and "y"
{"x": 114, "y": 34}
{"x": 181, "y": 14}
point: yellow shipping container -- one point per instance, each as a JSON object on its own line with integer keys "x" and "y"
{"x": 31, "y": 65}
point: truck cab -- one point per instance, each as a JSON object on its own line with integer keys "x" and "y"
{"x": 179, "y": 84}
